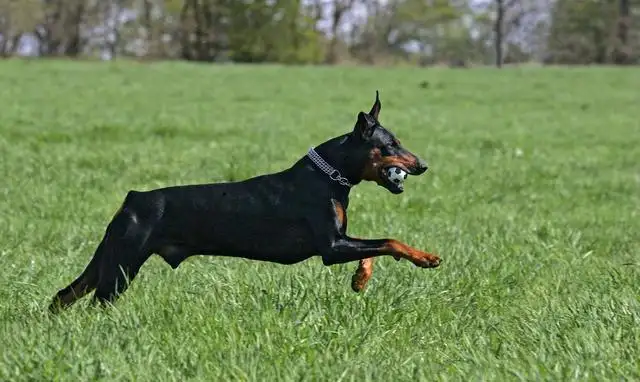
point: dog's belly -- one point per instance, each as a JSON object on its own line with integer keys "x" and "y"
{"x": 264, "y": 235}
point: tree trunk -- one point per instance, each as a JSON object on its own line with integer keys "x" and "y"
{"x": 339, "y": 10}
{"x": 623, "y": 26}
{"x": 185, "y": 32}
{"x": 5, "y": 31}
{"x": 208, "y": 51}
{"x": 50, "y": 33}
{"x": 74, "y": 41}
{"x": 194, "y": 39}
{"x": 10, "y": 45}
{"x": 622, "y": 53}
{"x": 112, "y": 12}
{"x": 147, "y": 8}
{"x": 500, "y": 11}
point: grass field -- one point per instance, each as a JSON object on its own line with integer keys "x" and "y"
{"x": 532, "y": 199}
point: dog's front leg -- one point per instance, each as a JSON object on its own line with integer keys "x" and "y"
{"x": 346, "y": 249}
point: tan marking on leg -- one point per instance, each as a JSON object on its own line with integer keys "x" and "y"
{"x": 419, "y": 258}
{"x": 362, "y": 275}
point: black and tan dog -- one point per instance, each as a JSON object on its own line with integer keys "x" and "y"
{"x": 285, "y": 217}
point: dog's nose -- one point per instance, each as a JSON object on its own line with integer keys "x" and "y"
{"x": 421, "y": 166}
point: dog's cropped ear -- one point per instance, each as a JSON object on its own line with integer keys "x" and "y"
{"x": 364, "y": 126}
{"x": 375, "y": 109}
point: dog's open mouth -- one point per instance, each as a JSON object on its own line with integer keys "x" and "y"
{"x": 394, "y": 178}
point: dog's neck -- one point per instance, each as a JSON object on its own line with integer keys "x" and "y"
{"x": 338, "y": 153}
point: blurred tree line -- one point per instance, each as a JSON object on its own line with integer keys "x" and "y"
{"x": 424, "y": 32}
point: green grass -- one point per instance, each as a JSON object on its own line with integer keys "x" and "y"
{"x": 532, "y": 199}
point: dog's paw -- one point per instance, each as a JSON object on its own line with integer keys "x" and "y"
{"x": 357, "y": 285}
{"x": 427, "y": 260}
{"x": 359, "y": 281}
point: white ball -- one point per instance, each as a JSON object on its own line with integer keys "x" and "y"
{"x": 396, "y": 175}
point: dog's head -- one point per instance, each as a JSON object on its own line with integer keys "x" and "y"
{"x": 379, "y": 154}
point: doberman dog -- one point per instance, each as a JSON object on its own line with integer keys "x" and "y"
{"x": 284, "y": 217}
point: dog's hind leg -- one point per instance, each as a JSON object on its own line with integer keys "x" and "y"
{"x": 124, "y": 246}
{"x": 81, "y": 286}
{"x": 127, "y": 245}
{"x": 88, "y": 279}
